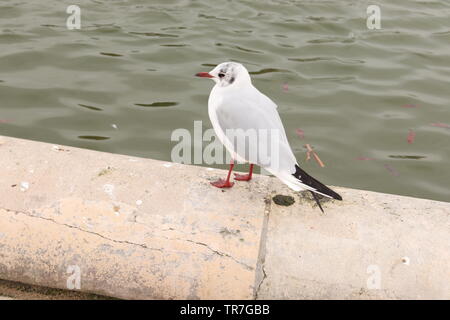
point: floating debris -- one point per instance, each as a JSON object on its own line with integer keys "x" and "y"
{"x": 364, "y": 158}
{"x": 300, "y": 133}
{"x": 285, "y": 87}
{"x": 411, "y": 136}
{"x": 316, "y": 157}
{"x": 114, "y": 126}
{"x": 440, "y": 125}
{"x": 391, "y": 170}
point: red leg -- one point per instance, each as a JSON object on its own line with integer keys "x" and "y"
{"x": 222, "y": 183}
{"x": 244, "y": 177}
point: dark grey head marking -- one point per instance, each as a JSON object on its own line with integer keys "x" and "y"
{"x": 227, "y": 74}
{"x": 230, "y": 73}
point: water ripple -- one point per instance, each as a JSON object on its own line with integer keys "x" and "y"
{"x": 97, "y": 138}
{"x": 157, "y": 104}
{"x": 341, "y": 83}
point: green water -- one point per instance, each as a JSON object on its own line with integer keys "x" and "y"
{"x": 125, "y": 81}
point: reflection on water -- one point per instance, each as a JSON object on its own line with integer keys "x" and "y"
{"x": 267, "y": 70}
{"x": 111, "y": 54}
{"x": 154, "y": 34}
{"x": 407, "y": 157}
{"x": 353, "y": 93}
{"x": 93, "y": 137}
{"x": 90, "y": 107}
{"x": 157, "y": 104}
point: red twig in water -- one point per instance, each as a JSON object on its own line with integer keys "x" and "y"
{"x": 316, "y": 157}
{"x": 411, "y": 136}
{"x": 308, "y": 153}
{"x": 440, "y": 125}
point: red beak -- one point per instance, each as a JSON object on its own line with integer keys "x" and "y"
{"x": 204, "y": 75}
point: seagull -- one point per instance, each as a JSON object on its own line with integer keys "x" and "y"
{"x": 236, "y": 106}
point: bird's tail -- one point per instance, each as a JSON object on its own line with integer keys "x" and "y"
{"x": 317, "y": 186}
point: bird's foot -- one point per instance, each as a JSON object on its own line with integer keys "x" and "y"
{"x": 222, "y": 184}
{"x": 242, "y": 177}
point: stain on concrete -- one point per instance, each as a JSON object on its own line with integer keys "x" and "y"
{"x": 282, "y": 200}
{"x": 105, "y": 171}
{"x": 229, "y": 232}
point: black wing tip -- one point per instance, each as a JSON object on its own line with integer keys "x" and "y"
{"x": 337, "y": 196}
{"x": 310, "y": 181}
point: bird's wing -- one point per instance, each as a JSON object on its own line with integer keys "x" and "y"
{"x": 251, "y": 111}
{"x": 254, "y": 116}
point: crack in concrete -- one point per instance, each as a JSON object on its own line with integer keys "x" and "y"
{"x": 222, "y": 254}
{"x": 261, "y": 282}
{"x": 87, "y": 231}
{"x": 260, "y": 274}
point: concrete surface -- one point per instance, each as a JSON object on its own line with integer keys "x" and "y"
{"x": 10, "y": 290}
{"x": 138, "y": 228}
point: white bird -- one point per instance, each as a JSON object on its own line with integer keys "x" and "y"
{"x": 235, "y": 106}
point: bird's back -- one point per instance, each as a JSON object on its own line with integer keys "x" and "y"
{"x": 247, "y": 109}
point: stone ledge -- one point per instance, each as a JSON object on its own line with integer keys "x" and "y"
{"x": 144, "y": 229}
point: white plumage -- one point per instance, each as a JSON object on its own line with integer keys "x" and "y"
{"x": 235, "y": 104}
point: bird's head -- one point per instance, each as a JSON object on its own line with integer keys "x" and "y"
{"x": 227, "y": 74}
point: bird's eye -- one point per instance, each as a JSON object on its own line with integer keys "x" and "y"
{"x": 221, "y": 75}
